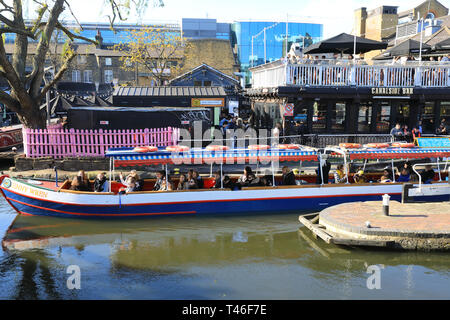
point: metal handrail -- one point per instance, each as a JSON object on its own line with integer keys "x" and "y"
{"x": 428, "y": 164}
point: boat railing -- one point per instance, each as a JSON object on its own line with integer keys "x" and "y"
{"x": 342, "y": 75}
{"x": 436, "y": 164}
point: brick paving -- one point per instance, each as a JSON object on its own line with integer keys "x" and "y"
{"x": 411, "y": 218}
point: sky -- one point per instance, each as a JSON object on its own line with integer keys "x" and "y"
{"x": 336, "y": 16}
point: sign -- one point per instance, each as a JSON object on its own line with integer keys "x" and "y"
{"x": 433, "y": 142}
{"x": 207, "y": 102}
{"x": 393, "y": 91}
{"x": 233, "y": 107}
{"x": 288, "y": 110}
{"x": 104, "y": 123}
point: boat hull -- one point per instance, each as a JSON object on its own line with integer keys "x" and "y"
{"x": 31, "y": 200}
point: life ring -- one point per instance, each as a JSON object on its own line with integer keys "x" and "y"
{"x": 145, "y": 149}
{"x": 350, "y": 145}
{"x": 217, "y": 148}
{"x": 403, "y": 145}
{"x": 258, "y": 147}
{"x": 177, "y": 148}
{"x": 377, "y": 145}
{"x": 288, "y": 147}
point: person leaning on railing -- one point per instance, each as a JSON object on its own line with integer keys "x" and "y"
{"x": 397, "y": 132}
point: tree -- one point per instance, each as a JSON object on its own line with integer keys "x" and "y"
{"x": 27, "y": 89}
{"x": 158, "y": 52}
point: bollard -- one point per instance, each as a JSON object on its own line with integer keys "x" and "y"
{"x": 386, "y": 198}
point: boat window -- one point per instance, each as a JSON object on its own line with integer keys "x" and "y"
{"x": 445, "y": 111}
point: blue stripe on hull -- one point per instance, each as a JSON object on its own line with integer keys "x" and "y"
{"x": 226, "y": 207}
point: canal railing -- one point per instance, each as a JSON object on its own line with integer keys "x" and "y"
{"x": 59, "y": 143}
{"x": 278, "y": 73}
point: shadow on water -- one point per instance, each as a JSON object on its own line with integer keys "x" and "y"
{"x": 178, "y": 254}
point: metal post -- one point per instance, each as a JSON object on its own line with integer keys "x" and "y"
{"x": 421, "y": 37}
{"x": 110, "y": 173}
{"x": 345, "y": 167}
{"x": 320, "y": 168}
{"x": 354, "y": 48}
{"x": 393, "y": 171}
{"x": 364, "y": 167}
{"x": 439, "y": 170}
{"x": 273, "y": 174}
{"x": 221, "y": 176}
{"x": 253, "y": 37}
{"x": 287, "y": 28}
{"x": 265, "y": 57}
{"x": 56, "y": 176}
{"x": 167, "y": 180}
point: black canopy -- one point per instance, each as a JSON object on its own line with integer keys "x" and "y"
{"x": 443, "y": 45}
{"x": 344, "y": 43}
{"x": 406, "y": 48}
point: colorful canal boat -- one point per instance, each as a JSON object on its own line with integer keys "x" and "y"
{"x": 48, "y": 199}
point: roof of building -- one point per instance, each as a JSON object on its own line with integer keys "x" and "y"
{"x": 208, "y": 67}
{"x": 170, "y": 91}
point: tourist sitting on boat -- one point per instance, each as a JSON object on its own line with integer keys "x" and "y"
{"x": 182, "y": 183}
{"x": 267, "y": 179}
{"x": 360, "y": 177}
{"x": 78, "y": 185}
{"x": 428, "y": 174}
{"x": 134, "y": 174}
{"x": 326, "y": 167}
{"x": 159, "y": 177}
{"x": 405, "y": 176}
{"x": 340, "y": 176}
{"x": 247, "y": 178}
{"x": 288, "y": 177}
{"x": 130, "y": 185}
{"x": 226, "y": 184}
{"x": 386, "y": 177}
{"x": 166, "y": 185}
{"x": 100, "y": 183}
{"x": 192, "y": 183}
{"x": 199, "y": 179}
{"x": 85, "y": 184}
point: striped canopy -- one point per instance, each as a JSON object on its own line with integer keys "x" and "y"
{"x": 125, "y": 157}
{"x": 399, "y": 153}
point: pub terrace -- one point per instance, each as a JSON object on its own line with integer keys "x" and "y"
{"x": 340, "y": 96}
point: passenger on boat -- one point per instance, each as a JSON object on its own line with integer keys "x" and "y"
{"x": 339, "y": 175}
{"x": 130, "y": 185}
{"x": 428, "y": 174}
{"x": 199, "y": 179}
{"x": 159, "y": 177}
{"x": 405, "y": 176}
{"x": 360, "y": 177}
{"x": 78, "y": 185}
{"x": 182, "y": 183}
{"x": 288, "y": 177}
{"x": 191, "y": 181}
{"x": 85, "y": 184}
{"x": 166, "y": 185}
{"x": 386, "y": 177}
{"x": 326, "y": 167}
{"x": 227, "y": 183}
{"x": 100, "y": 183}
{"x": 267, "y": 179}
{"x": 247, "y": 178}
{"x": 134, "y": 174}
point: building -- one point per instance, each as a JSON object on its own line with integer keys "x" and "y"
{"x": 205, "y": 29}
{"x": 258, "y": 42}
{"x": 385, "y": 23}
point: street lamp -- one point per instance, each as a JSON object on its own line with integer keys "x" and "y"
{"x": 259, "y": 33}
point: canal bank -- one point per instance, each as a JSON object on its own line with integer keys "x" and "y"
{"x": 409, "y": 226}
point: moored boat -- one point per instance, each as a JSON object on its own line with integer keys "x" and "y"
{"x": 45, "y": 198}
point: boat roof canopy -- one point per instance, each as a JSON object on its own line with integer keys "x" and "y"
{"x": 393, "y": 153}
{"x": 124, "y": 157}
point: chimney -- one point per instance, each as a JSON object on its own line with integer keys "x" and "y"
{"x": 99, "y": 39}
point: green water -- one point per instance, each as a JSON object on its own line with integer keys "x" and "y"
{"x": 239, "y": 257}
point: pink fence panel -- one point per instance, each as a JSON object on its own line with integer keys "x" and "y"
{"x": 59, "y": 143}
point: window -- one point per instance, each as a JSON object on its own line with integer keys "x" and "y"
{"x": 384, "y": 117}
{"x": 338, "y": 117}
{"x": 81, "y": 59}
{"x": 445, "y": 111}
{"x": 88, "y": 76}
{"x": 109, "y": 76}
{"x": 197, "y": 83}
{"x": 108, "y": 62}
{"x": 76, "y": 76}
{"x": 428, "y": 117}
{"x": 364, "y": 117}
{"x": 207, "y": 83}
{"x": 319, "y": 119}
{"x": 403, "y": 113}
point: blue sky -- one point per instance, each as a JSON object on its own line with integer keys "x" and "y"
{"x": 336, "y": 16}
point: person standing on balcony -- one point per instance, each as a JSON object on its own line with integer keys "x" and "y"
{"x": 446, "y": 58}
{"x": 397, "y": 132}
{"x": 406, "y": 133}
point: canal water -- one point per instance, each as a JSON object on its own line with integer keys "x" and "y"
{"x": 238, "y": 257}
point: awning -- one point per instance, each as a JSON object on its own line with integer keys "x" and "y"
{"x": 127, "y": 157}
{"x": 399, "y": 153}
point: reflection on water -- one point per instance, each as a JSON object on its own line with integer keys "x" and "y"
{"x": 237, "y": 257}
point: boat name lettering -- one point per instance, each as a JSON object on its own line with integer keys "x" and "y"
{"x": 393, "y": 91}
{"x": 26, "y": 189}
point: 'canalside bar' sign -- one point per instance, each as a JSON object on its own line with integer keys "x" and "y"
{"x": 393, "y": 91}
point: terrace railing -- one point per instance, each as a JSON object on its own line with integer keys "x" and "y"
{"x": 60, "y": 143}
{"x": 328, "y": 75}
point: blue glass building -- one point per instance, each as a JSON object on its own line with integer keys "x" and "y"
{"x": 243, "y": 31}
